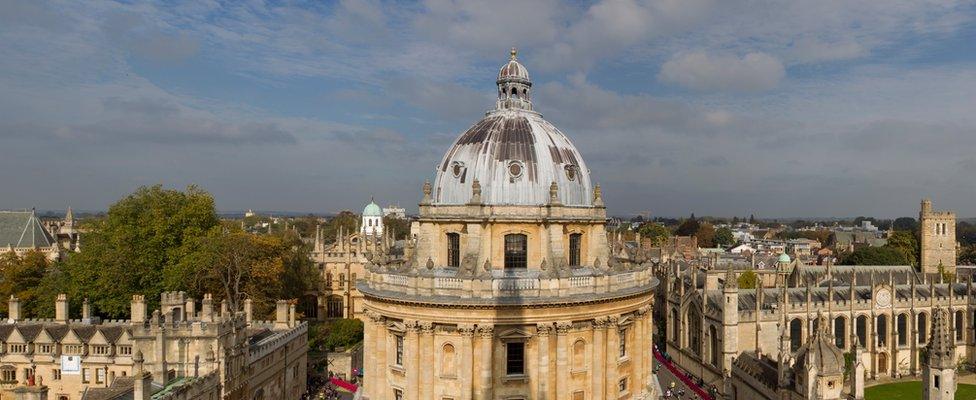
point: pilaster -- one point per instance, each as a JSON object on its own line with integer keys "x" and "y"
{"x": 562, "y": 359}
{"x": 427, "y": 359}
{"x": 467, "y": 360}
{"x": 610, "y": 374}
{"x": 599, "y": 360}
{"x": 542, "y": 377}
{"x": 487, "y": 334}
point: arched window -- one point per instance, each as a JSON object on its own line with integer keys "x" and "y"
{"x": 902, "y": 326}
{"x": 448, "y": 360}
{"x": 796, "y": 334}
{"x": 674, "y": 325}
{"x": 862, "y": 330}
{"x": 958, "y": 325}
{"x": 333, "y": 307}
{"x": 579, "y": 355}
{"x": 713, "y": 344}
{"x": 328, "y": 280}
{"x": 574, "y": 249}
{"x": 922, "y": 327}
{"x": 839, "y": 328}
{"x": 694, "y": 330}
{"x": 516, "y": 251}
{"x": 453, "y": 250}
{"x": 882, "y": 329}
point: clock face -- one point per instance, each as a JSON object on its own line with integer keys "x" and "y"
{"x": 883, "y": 298}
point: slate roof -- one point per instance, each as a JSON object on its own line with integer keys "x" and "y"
{"x": 23, "y": 229}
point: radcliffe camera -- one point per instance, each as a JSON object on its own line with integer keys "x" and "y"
{"x": 471, "y": 200}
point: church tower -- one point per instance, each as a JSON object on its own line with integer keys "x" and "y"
{"x": 730, "y": 324}
{"x": 939, "y": 367}
{"x": 937, "y": 235}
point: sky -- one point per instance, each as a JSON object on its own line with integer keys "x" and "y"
{"x": 715, "y": 107}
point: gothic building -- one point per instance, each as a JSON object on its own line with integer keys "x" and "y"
{"x": 509, "y": 287}
{"x": 177, "y": 353}
{"x": 937, "y": 236}
{"x": 756, "y": 342}
{"x": 23, "y": 231}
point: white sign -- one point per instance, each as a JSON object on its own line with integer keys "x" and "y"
{"x": 70, "y": 365}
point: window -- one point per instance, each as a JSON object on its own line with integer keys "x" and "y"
{"x": 839, "y": 328}
{"x": 958, "y": 325}
{"x": 72, "y": 349}
{"x": 516, "y": 251}
{"x": 9, "y": 375}
{"x": 796, "y": 334}
{"x": 936, "y": 381}
{"x": 448, "y": 364}
{"x": 56, "y": 373}
{"x": 622, "y": 385}
{"x": 328, "y": 280}
{"x": 85, "y": 375}
{"x": 125, "y": 350}
{"x": 397, "y": 394}
{"x": 99, "y": 375}
{"x": 17, "y": 348}
{"x": 902, "y": 330}
{"x": 623, "y": 343}
{"x": 399, "y": 349}
{"x": 922, "y": 327}
{"x": 515, "y": 358}
{"x": 45, "y": 348}
{"x": 882, "y": 330}
{"x": 453, "y": 250}
{"x": 574, "y": 249}
{"x": 342, "y": 281}
{"x": 100, "y": 350}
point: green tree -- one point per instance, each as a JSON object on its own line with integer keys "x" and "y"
{"x": 346, "y": 220}
{"x": 338, "y": 333}
{"x": 399, "y": 227}
{"x": 906, "y": 243}
{"x": 904, "y": 224}
{"x": 139, "y": 247}
{"x": 21, "y": 278}
{"x": 748, "y": 280}
{"x": 688, "y": 227}
{"x": 657, "y": 233}
{"x": 724, "y": 237}
{"x": 875, "y": 256}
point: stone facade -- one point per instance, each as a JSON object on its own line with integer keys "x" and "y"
{"x": 511, "y": 289}
{"x": 179, "y": 353}
{"x": 937, "y": 231}
{"x": 340, "y": 264}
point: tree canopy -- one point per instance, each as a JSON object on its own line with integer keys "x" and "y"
{"x": 688, "y": 227}
{"x": 657, "y": 233}
{"x": 875, "y": 256}
{"x": 748, "y": 280}
{"x": 724, "y": 237}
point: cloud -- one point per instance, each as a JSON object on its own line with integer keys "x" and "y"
{"x": 810, "y": 50}
{"x": 702, "y": 71}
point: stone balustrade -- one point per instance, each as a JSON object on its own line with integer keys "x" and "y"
{"x": 500, "y": 286}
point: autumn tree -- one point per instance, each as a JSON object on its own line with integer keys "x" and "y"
{"x": 688, "y": 227}
{"x": 657, "y": 233}
{"x": 748, "y": 279}
{"x": 705, "y": 235}
{"x": 21, "y": 276}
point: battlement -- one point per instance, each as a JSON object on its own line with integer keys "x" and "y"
{"x": 267, "y": 345}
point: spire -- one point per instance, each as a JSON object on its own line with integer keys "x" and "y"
{"x": 512, "y": 54}
{"x": 731, "y": 282}
{"x": 941, "y": 348}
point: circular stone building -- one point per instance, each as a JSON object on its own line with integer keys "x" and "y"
{"x": 509, "y": 286}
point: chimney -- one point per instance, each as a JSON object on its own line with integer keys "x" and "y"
{"x": 224, "y": 310}
{"x": 61, "y": 308}
{"x": 14, "y": 307}
{"x": 138, "y": 308}
{"x": 248, "y": 311}
{"x": 190, "y": 310}
{"x": 86, "y": 312}
{"x": 206, "y": 308}
{"x": 139, "y": 389}
{"x": 281, "y": 314}
{"x": 291, "y": 315}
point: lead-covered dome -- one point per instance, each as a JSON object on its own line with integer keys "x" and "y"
{"x": 514, "y": 154}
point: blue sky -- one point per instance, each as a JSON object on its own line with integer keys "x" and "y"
{"x": 719, "y": 107}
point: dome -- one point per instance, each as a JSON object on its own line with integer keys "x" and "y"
{"x": 514, "y": 154}
{"x": 784, "y": 258}
{"x": 513, "y": 70}
{"x": 821, "y": 353}
{"x": 372, "y": 210}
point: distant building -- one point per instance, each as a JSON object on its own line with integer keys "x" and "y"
{"x": 23, "y": 231}
{"x": 395, "y": 211}
{"x": 372, "y": 224}
{"x": 177, "y": 353}
{"x": 938, "y": 239}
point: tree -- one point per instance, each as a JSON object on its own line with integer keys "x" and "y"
{"x": 752, "y": 219}
{"x": 657, "y": 233}
{"x": 139, "y": 248}
{"x": 345, "y": 220}
{"x": 906, "y": 243}
{"x": 966, "y": 232}
{"x": 875, "y": 256}
{"x": 340, "y": 333}
{"x": 21, "y": 278}
{"x": 399, "y": 227}
{"x": 705, "y": 235}
{"x": 748, "y": 280}
{"x": 688, "y": 227}
{"x": 904, "y": 224}
{"x": 724, "y": 237}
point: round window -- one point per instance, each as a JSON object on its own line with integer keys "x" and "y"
{"x": 571, "y": 172}
{"x": 515, "y": 169}
{"x": 457, "y": 168}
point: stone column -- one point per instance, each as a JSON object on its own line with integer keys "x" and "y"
{"x": 382, "y": 362}
{"x": 487, "y": 334}
{"x": 427, "y": 363}
{"x": 467, "y": 360}
{"x": 562, "y": 359}
{"x": 611, "y": 370}
{"x": 599, "y": 360}
{"x": 542, "y": 347}
{"x": 635, "y": 348}
{"x": 411, "y": 359}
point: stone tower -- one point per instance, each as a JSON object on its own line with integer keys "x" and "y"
{"x": 937, "y": 231}
{"x": 730, "y": 322}
{"x": 939, "y": 367}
